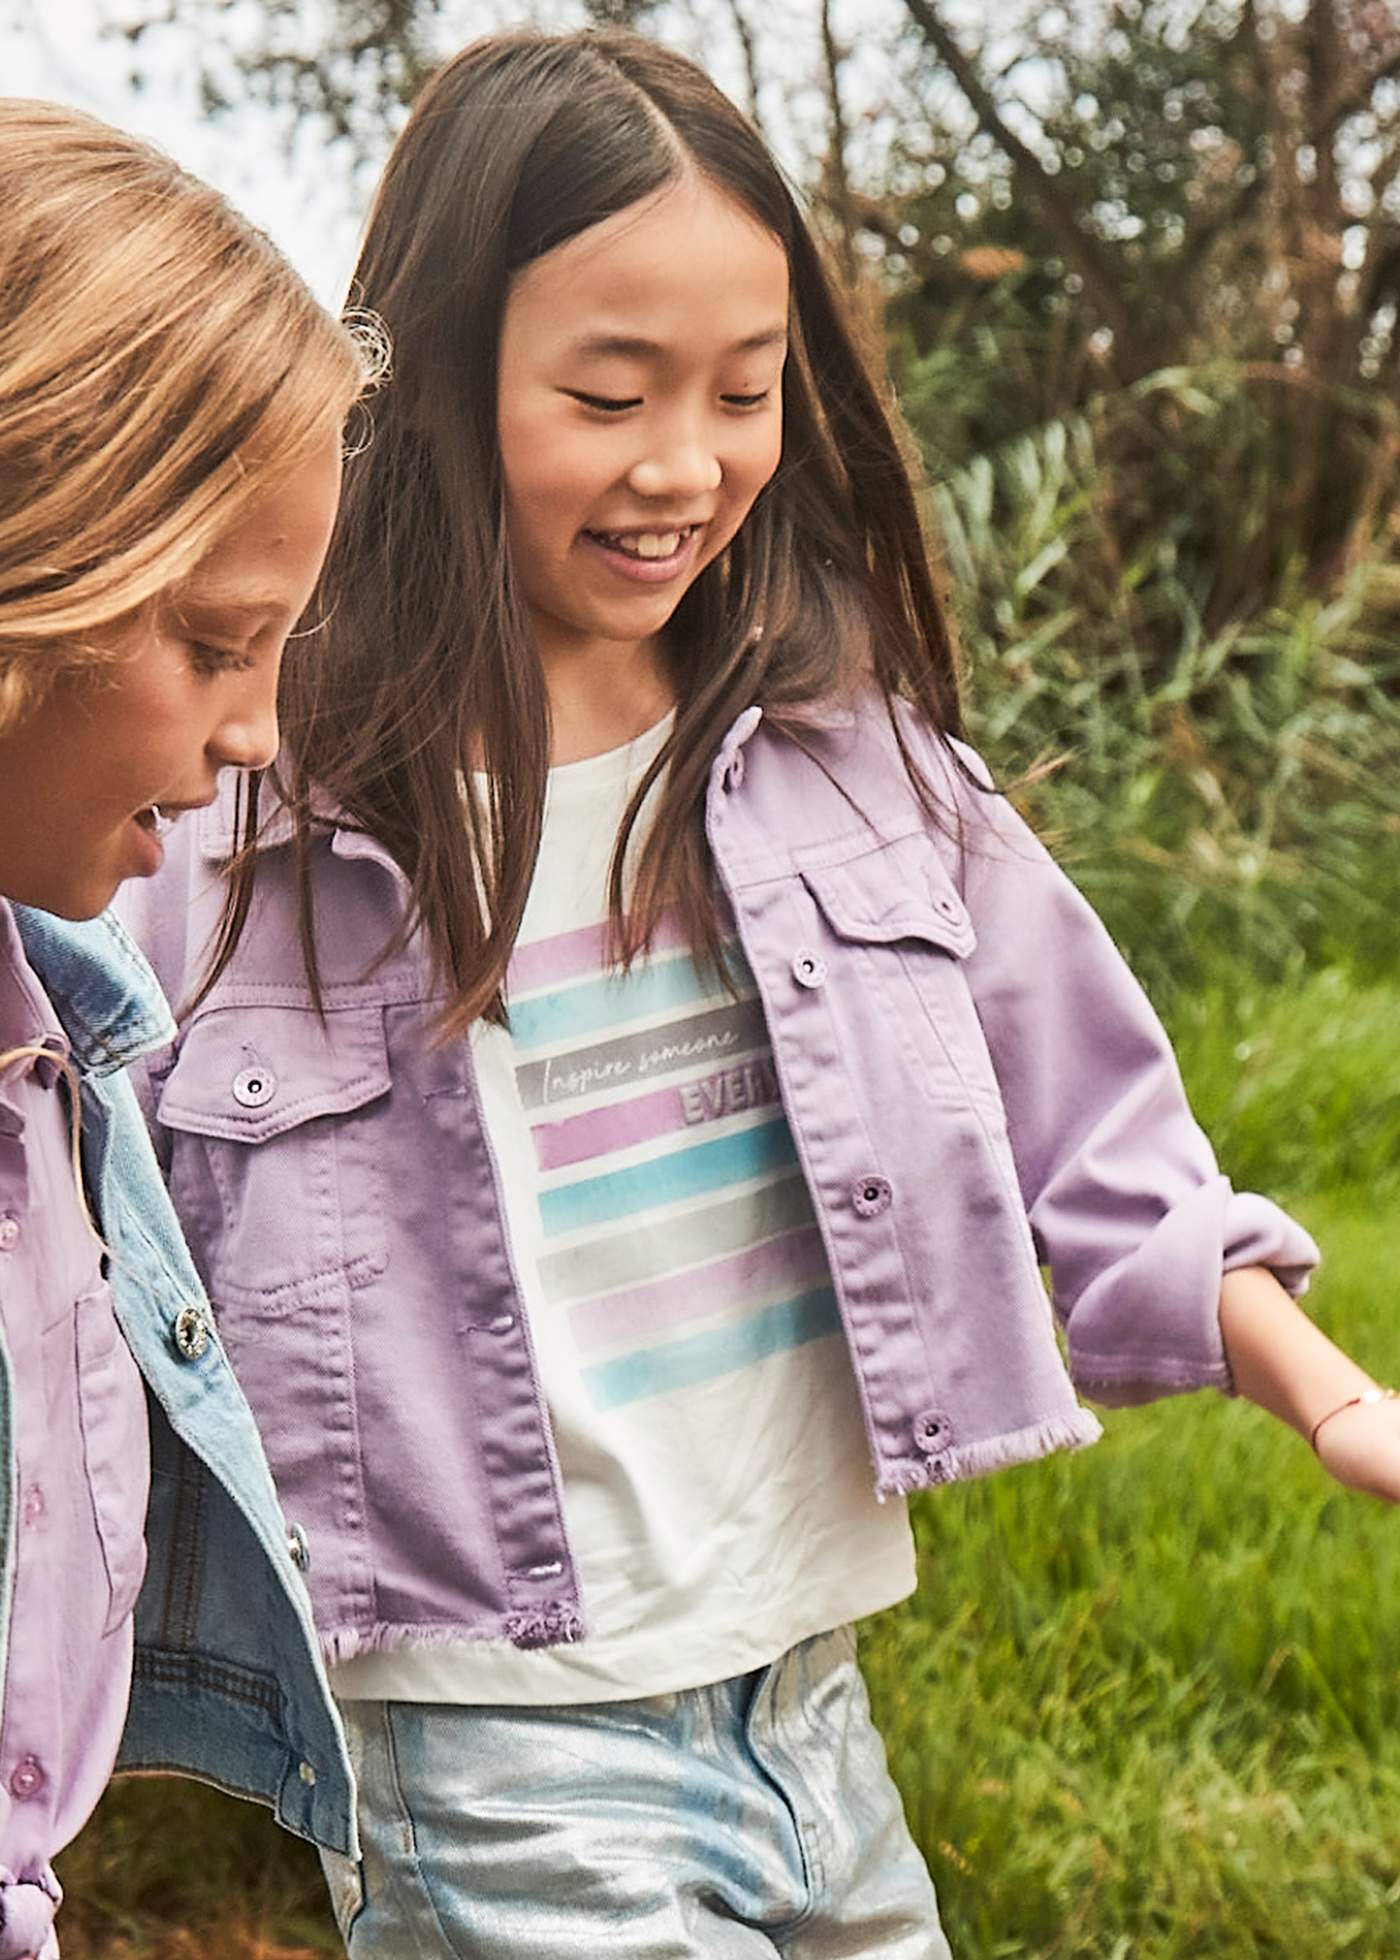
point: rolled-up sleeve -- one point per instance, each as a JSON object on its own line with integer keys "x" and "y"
{"x": 1128, "y": 1208}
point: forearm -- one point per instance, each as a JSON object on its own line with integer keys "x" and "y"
{"x": 1280, "y": 1358}
{"x": 1282, "y": 1361}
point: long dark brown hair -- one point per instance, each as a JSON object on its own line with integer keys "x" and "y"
{"x": 425, "y": 667}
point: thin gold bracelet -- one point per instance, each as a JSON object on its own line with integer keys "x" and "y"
{"x": 1353, "y": 1402}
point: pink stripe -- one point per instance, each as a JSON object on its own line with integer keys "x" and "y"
{"x": 617, "y": 1126}
{"x": 549, "y": 962}
{"x": 644, "y": 1312}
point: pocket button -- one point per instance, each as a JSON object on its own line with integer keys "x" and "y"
{"x": 252, "y": 1087}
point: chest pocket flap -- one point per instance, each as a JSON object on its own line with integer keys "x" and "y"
{"x": 247, "y": 1074}
{"x": 896, "y": 889}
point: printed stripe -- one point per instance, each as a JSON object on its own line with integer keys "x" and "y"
{"x": 776, "y": 1266}
{"x": 682, "y": 1364}
{"x": 603, "y": 1002}
{"x": 622, "y": 1125}
{"x": 718, "y": 1035}
{"x": 577, "y": 1272}
{"x": 613, "y": 997}
{"x": 569, "y": 955}
{"x": 667, "y": 1180}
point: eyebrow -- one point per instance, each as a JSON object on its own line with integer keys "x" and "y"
{"x": 267, "y": 606}
{"x": 633, "y": 347}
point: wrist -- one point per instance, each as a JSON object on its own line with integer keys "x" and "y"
{"x": 1365, "y": 1397}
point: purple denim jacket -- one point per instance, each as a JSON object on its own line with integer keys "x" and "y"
{"x": 976, "y": 1086}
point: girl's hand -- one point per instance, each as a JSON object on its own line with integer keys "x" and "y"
{"x": 1360, "y": 1447}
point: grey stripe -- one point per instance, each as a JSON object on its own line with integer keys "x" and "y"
{"x": 651, "y": 1056}
{"x": 627, "y": 1258}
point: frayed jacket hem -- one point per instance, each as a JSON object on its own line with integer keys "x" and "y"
{"x": 1071, "y": 1432}
{"x": 554, "y": 1627}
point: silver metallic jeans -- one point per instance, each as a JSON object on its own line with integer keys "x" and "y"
{"x": 754, "y": 1817}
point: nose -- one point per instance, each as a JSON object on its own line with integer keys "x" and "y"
{"x": 247, "y": 736}
{"x": 681, "y": 464}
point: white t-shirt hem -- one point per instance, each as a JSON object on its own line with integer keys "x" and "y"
{"x": 627, "y": 1666}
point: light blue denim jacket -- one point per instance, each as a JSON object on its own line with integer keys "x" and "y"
{"x": 228, "y": 1684}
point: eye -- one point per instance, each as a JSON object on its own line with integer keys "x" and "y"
{"x": 605, "y": 404}
{"x": 211, "y": 660}
{"x": 746, "y": 401}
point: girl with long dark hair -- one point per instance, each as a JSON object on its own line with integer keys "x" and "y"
{"x": 635, "y": 1067}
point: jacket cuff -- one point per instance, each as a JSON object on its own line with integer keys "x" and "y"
{"x": 1150, "y": 1325}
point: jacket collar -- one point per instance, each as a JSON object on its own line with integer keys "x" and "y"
{"x": 105, "y": 997}
{"x": 217, "y": 835}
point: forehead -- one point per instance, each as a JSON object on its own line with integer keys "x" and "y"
{"x": 261, "y": 562}
{"x": 688, "y": 263}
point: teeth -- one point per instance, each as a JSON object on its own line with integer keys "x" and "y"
{"x": 649, "y": 544}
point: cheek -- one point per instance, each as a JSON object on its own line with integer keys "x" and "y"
{"x": 751, "y": 465}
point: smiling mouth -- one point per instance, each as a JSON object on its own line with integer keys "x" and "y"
{"x": 161, "y": 818}
{"x": 647, "y": 544}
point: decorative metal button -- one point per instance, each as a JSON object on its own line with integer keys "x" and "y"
{"x": 933, "y": 1433}
{"x": 734, "y": 770}
{"x": 33, "y": 1507}
{"x": 27, "y": 1779}
{"x": 298, "y": 1548}
{"x": 808, "y": 968}
{"x": 307, "y": 1774}
{"x": 871, "y": 1196}
{"x": 9, "y": 1234}
{"x": 191, "y": 1333}
{"x": 254, "y": 1086}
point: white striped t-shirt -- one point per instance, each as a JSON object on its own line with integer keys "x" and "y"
{"x": 718, "y": 1492}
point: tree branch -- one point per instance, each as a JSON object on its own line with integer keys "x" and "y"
{"x": 1091, "y": 262}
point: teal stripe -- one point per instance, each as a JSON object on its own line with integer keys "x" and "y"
{"x": 616, "y": 997}
{"x": 666, "y": 1180}
{"x": 681, "y": 1364}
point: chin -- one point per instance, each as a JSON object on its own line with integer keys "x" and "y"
{"x": 76, "y": 898}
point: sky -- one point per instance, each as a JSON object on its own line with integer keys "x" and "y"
{"x": 310, "y": 202}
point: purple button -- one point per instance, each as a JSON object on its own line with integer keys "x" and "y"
{"x": 808, "y": 968}
{"x": 871, "y": 1196}
{"x": 27, "y": 1779}
{"x": 933, "y": 1433}
{"x": 9, "y": 1234}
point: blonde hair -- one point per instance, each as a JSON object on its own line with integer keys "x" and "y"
{"x": 161, "y": 364}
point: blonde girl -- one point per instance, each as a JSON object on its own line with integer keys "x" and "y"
{"x": 171, "y": 407}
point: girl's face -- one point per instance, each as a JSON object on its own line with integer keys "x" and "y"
{"x": 639, "y": 411}
{"x": 193, "y": 689}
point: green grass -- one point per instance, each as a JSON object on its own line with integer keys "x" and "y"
{"x": 1146, "y": 1704}
{"x": 1147, "y": 1700}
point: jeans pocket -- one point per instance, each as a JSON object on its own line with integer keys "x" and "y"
{"x": 116, "y": 1449}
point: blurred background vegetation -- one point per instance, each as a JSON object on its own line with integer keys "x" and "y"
{"x": 1135, "y": 271}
